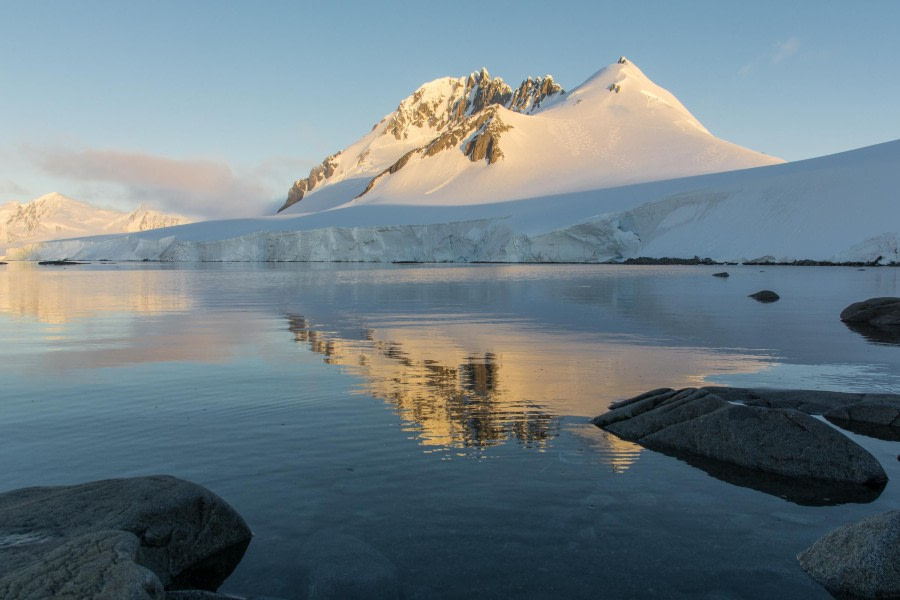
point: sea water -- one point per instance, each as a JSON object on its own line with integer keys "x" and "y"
{"x": 424, "y": 428}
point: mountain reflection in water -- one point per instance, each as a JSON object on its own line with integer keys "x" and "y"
{"x": 462, "y": 405}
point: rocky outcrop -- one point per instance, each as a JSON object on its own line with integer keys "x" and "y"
{"x": 118, "y": 538}
{"x": 878, "y": 312}
{"x": 859, "y": 560}
{"x": 453, "y": 109}
{"x": 482, "y": 130}
{"x": 319, "y": 173}
{"x": 877, "y": 319}
{"x": 784, "y": 443}
{"x": 875, "y": 415}
{"x": 467, "y": 97}
{"x": 485, "y": 144}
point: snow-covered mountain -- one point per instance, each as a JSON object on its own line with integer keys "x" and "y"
{"x": 593, "y": 175}
{"x": 475, "y": 139}
{"x": 841, "y": 207}
{"x": 54, "y": 216}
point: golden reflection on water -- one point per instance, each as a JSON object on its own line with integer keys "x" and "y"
{"x": 458, "y": 381}
{"x": 463, "y": 382}
{"x": 61, "y": 294}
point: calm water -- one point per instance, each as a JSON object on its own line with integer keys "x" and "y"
{"x": 434, "y": 418}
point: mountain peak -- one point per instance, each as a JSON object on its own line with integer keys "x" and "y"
{"x": 617, "y": 127}
{"x": 423, "y": 117}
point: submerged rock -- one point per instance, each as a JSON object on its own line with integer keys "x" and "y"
{"x": 783, "y": 445}
{"x": 765, "y": 296}
{"x": 722, "y": 274}
{"x": 117, "y": 538}
{"x": 860, "y": 560}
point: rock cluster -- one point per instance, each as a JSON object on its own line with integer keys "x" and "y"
{"x": 117, "y": 539}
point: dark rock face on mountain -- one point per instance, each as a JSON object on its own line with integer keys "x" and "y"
{"x": 485, "y": 144}
{"x": 859, "y": 560}
{"x": 450, "y": 118}
{"x": 118, "y": 538}
{"x": 784, "y": 443}
{"x": 318, "y": 173}
{"x": 483, "y": 131}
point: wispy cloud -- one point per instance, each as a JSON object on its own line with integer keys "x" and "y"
{"x": 776, "y": 54}
{"x": 195, "y": 187}
{"x": 783, "y": 50}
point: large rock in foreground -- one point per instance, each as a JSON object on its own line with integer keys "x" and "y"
{"x": 784, "y": 445}
{"x": 117, "y": 539}
{"x": 860, "y": 560}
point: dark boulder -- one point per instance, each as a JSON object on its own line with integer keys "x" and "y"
{"x": 876, "y": 319}
{"x": 860, "y": 560}
{"x": 721, "y": 274}
{"x": 874, "y": 415}
{"x": 126, "y": 538}
{"x": 765, "y": 296}
{"x": 879, "y": 312}
{"x": 877, "y": 417}
{"x": 783, "y": 443}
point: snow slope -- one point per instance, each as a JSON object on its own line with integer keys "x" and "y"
{"x": 841, "y": 207}
{"x": 471, "y": 140}
{"x": 54, "y": 216}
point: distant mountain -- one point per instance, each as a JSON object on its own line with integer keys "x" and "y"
{"x": 54, "y": 216}
{"x": 475, "y": 139}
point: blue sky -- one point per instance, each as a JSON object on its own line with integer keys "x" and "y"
{"x": 213, "y": 108}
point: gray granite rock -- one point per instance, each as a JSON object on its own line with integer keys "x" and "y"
{"x": 100, "y": 565}
{"x": 880, "y": 312}
{"x": 140, "y": 535}
{"x": 782, "y": 442}
{"x": 876, "y": 319}
{"x": 860, "y": 560}
{"x": 875, "y": 415}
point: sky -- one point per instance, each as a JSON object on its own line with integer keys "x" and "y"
{"x": 213, "y": 108}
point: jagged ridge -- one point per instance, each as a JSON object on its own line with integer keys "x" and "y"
{"x": 444, "y": 107}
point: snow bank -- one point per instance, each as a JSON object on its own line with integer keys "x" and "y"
{"x": 838, "y": 208}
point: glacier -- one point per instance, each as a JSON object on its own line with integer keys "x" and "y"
{"x": 836, "y": 208}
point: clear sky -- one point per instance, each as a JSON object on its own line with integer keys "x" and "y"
{"x": 213, "y": 107}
